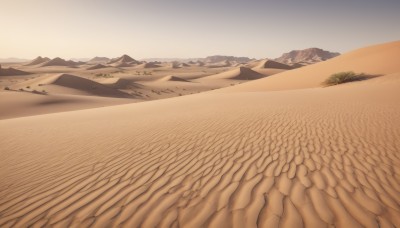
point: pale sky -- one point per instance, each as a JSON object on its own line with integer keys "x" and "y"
{"x": 185, "y": 28}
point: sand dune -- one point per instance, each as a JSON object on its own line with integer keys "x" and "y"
{"x": 200, "y": 63}
{"x": 123, "y": 59}
{"x": 172, "y": 78}
{"x": 123, "y": 64}
{"x": 121, "y": 83}
{"x": 60, "y": 62}
{"x": 373, "y": 60}
{"x": 11, "y": 72}
{"x": 38, "y": 60}
{"x": 267, "y": 63}
{"x": 184, "y": 65}
{"x": 173, "y": 65}
{"x": 148, "y": 65}
{"x": 97, "y": 66}
{"x": 241, "y": 73}
{"x": 235, "y": 157}
{"x": 313, "y": 158}
{"x": 20, "y": 104}
{"x": 225, "y": 63}
{"x": 69, "y": 84}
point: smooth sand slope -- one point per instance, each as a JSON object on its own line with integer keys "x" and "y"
{"x": 70, "y": 84}
{"x": 11, "y": 72}
{"x": 375, "y": 60}
{"x": 318, "y": 157}
{"x": 96, "y": 67}
{"x": 267, "y": 63}
{"x": 19, "y": 104}
{"x": 240, "y": 73}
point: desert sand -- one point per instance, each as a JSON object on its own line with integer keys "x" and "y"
{"x": 279, "y": 151}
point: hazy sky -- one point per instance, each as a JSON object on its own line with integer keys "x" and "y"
{"x": 186, "y": 28}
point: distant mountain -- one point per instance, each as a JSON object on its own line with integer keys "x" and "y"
{"x": 99, "y": 60}
{"x": 306, "y": 56}
{"x": 221, "y": 58}
{"x": 209, "y": 59}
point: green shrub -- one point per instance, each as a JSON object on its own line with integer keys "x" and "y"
{"x": 343, "y": 77}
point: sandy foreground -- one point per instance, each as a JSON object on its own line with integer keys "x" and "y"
{"x": 245, "y": 156}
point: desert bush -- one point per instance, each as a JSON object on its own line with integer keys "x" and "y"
{"x": 343, "y": 77}
{"x": 7, "y": 88}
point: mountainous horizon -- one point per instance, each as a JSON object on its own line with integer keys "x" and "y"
{"x": 302, "y": 55}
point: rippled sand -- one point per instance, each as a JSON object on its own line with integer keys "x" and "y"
{"x": 316, "y": 157}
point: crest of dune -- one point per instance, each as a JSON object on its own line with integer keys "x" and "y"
{"x": 60, "y": 62}
{"x": 240, "y": 73}
{"x": 266, "y": 64}
{"x": 12, "y": 72}
{"x": 97, "y": 66}
{"x": 123, "y": 59}
{"x": 173, "y": 78}
{"x": 70, "y": 84}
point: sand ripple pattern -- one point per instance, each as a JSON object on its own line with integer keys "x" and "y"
{"x": 256, "y": 161}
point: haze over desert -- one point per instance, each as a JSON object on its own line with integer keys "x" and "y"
{"x": 294, "y": 127}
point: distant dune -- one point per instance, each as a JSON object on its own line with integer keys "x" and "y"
{"x": 38, "y": 60}
{"x": 11, "y": 72}
{"x": 272, "y": 64}
{"x": 221, "y": 58}
{"x": 60, "y": 62}
{"x": 121, "y": 83}
{"x": 172, "y": 78}
{"x": 241, "y": 73}
{"x": 123, "y": 64}
{"x": 184, "y": 65}
{"x": 123, "y": 59}
{"x": 70, "y": 84}
{"x": 148, "y": 65}
{"x": 200, "y": 63}
{"x": 97, "y": 66}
